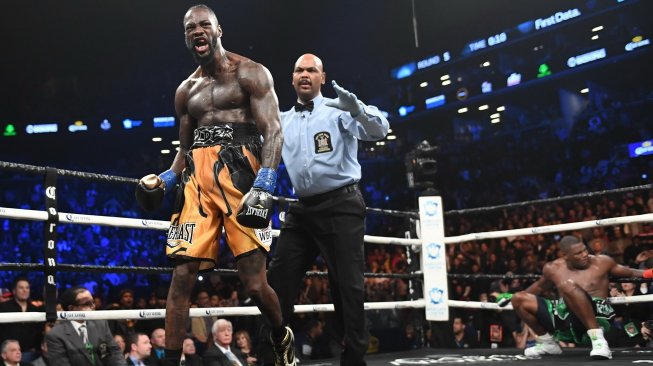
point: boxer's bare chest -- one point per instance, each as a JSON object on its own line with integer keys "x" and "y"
{"x": 218, "y": 98}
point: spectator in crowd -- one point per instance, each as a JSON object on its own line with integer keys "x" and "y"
{"x": 120, "y": 341}
{"x": 82, "y": 342}
{"x": 11, "y": 354}
{"x": 139, "y": 350}
{"x": 629, "y": 317}
{"x": 244, "y": 344}
{"x": 597, "y": 247}
{"x": 158, "y": 340}
{"x": 647, "y": 332}
{"x": 28, "y": 334}
{"x": 618, "y": 244}
{"x": 220, "y": 353}
{"x": 44, "y": 359}
{"x": 459, "y": 338}
{"x": 313, "y": 344}
{"x": 408, "y": 339}
{"x": 124, "y": 327}
{"x": 189, "y": 356}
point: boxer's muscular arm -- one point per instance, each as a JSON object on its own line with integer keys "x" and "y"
{"x": 257, "y": 81}
{"x": 255, "y": 209}
{"x": 617, "y": 270}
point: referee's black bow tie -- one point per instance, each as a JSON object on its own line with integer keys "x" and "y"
{"x": 304, "y": 107}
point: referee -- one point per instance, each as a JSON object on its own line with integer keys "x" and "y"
{"x": 320, "y": 153}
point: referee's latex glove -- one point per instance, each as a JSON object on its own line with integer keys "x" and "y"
{"x": 346, "y": 101}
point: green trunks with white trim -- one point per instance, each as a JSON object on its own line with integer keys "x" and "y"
{"x": 557, "y": 319}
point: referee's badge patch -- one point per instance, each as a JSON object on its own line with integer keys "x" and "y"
{"x": 322, "y": 142}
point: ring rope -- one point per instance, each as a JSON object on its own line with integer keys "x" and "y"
{"x": 153, "y": 270}
{"x": 495, "y": 306}
{"x": 70, "y": 218}
{"x": 478, "y": 276}
{"x": 548, "y": 200}
{"x": 232, "y": 272}
{"x": 549, "y": 228}
{"x": 253, "y": 310}
{"x": 163, "y": 225}
{"x": 193, "y": 312}
{"x": 33, "y": 169}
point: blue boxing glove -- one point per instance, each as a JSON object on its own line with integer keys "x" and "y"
{"x": 346, "y": 101}
{"x": 151, "y": 189}
{"x": 255, "y": 209}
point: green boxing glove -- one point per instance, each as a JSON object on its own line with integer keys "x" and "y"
{"x": 503, "y": 299}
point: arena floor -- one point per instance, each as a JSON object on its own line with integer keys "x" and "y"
{"x": 431, "y": 356}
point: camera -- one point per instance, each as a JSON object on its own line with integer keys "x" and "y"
{"x": 421, "y": 166}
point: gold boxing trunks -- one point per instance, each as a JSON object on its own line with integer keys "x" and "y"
{"x": 220, "y": 169}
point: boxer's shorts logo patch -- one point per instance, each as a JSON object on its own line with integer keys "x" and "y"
{"x": 178, "y": 234}
{"x": 264, "y": 235}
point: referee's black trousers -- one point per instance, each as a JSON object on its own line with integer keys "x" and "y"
{"x": 332, "y": 226}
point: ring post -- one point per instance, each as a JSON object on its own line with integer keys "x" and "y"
{"x": 50, "y": 244}
{"x": 434, "y": 265}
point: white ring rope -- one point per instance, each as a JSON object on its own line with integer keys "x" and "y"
{"x": 550, "y": 228}
{"x": 253, "y": 310}
{"x": 193, "y": 312}
{"x": 71, "y": 218}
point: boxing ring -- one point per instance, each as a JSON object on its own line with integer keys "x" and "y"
{"x": 429, "y": 245}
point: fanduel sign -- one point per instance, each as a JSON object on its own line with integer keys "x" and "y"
{"x": 559, "y": 17}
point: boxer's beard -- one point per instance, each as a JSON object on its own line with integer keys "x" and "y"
{"x": 206, "y": 58}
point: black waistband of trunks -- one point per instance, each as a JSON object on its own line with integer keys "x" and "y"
{"x": 225, "y": 133}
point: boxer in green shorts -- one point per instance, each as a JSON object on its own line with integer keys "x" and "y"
{"x": 582, "y": 282}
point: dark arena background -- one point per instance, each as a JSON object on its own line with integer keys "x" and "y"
{"x": 519, "y": 114}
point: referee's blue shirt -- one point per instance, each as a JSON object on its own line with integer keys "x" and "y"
{"x": 320, "y": 147}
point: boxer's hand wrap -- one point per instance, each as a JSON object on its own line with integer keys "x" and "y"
{"x": 648, "y": 273}
{"x": 255, "y": 209}
{"x": 503, "y": 299}
{"x": 169, "y": 179}
{"x": 346, "y": 101}
{"x": 266, "y": 179}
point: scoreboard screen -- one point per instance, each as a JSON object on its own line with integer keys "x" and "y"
{"x": 555, "y": 44}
